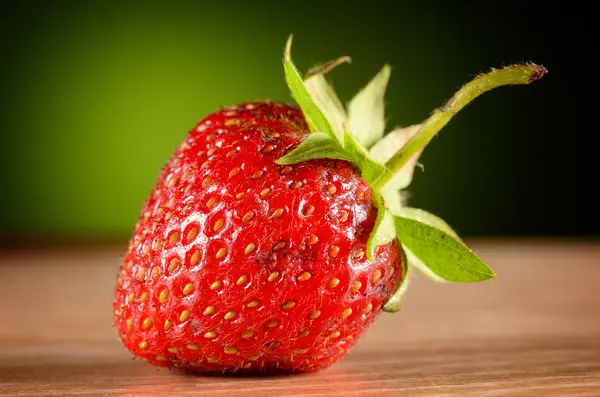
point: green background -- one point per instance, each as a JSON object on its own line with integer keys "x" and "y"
{"x": 96, "y": 96}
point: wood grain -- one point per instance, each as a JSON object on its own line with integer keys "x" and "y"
{"x": 533, "y": 331}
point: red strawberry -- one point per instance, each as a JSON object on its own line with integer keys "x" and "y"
{"x": 239, "y": 262}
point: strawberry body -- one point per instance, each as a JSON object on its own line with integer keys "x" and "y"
{"x": 237, "y": 263}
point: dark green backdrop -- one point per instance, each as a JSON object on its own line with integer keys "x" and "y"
{"x": 96, "y": 95}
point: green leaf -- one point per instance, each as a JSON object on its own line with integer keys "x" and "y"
{"x": 393, "y": 303}
{"x": 371, "y": 170}
{"x": 366, "y": 112}
{"x": 313, "y": 115}
{"x": 383, "y": 232}
{"x": 321, "y": 109}
{"x": 441, "y": 253}
{"x": 326, "y": 99}
{"x": 385, "y": 149}
{"x": 415, "y": 262}
{"x": 426, "y": 217}
{"x": 317, "y": 145}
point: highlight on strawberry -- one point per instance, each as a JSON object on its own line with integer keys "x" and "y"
{"x": 277, "y": 233}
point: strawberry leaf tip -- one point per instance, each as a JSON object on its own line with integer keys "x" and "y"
{"x": 441, "y": 253}
{"x": 356, "y": 133}
{"x": 366, "y": 110}
{"x": 312, "y": 112}
{"x": 326, "y": 99}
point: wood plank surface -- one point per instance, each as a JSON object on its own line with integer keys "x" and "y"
{"x": 533, "y": 331}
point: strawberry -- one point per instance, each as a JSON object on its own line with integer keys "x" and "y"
{"x": 276, "y": 233}
{"x": 239, "y": 262}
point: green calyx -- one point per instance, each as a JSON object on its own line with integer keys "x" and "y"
{"x": 356, "y": 133}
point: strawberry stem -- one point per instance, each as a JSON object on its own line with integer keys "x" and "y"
{"x": 510, "y": 75}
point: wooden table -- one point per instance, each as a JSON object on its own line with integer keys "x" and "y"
{"x": 534, "y": 331}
